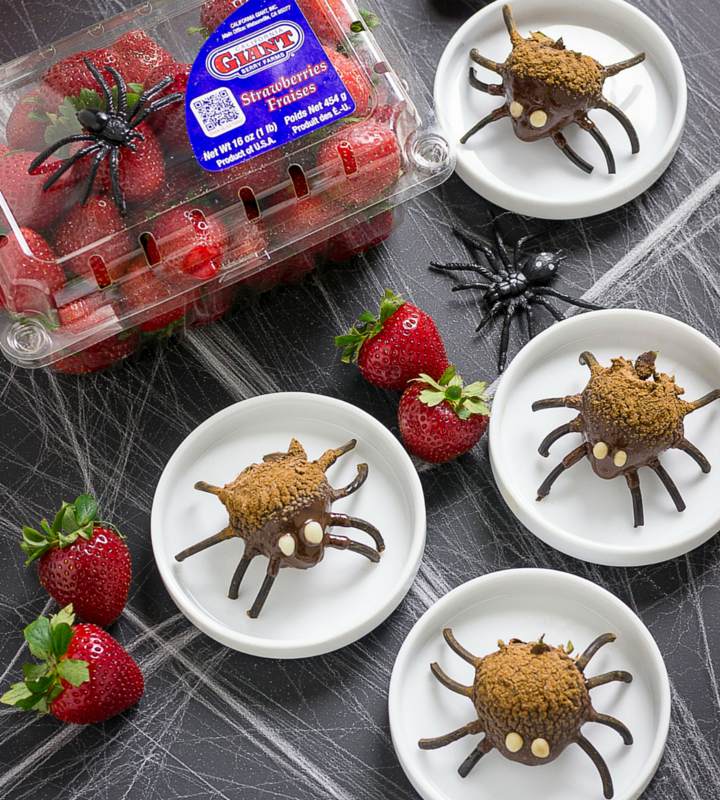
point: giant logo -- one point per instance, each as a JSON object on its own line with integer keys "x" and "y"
{"x": 255, "y": 53}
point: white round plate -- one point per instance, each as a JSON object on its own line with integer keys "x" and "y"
{"x": 308, "y": 612}
{"x": 525, "y": 604}
{"x": 537, "y": 179}
{"x": 584, "y": 515}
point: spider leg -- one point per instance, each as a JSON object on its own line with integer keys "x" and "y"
{"x": 493, "y": 66}
{"x": 272, "y": 572}
{"x": 620, "y": 116}
{"x": 582, "y": 661}
{"x": 575, "y": 426}
{"x": 344, "y": 521}
{"x": 493, "y": 116}
{"x": 449, "y": 683}
{"x": 115, "y": 180}
{"x": 48, "y": 151}
{"x": 482, "y": 749}
{"x": 599, "y": 762}
{"x": 570, "y": 401}
{"x": 455, "y": 266}
{"x": 343, "y": 543}
{"x": 633, "y": 482}
{"x": 494, "y": 311}
{"x": 704, "y": 400}
{"x": 561, "y": 142}
{"x": 613, "y": 69}
{"x": 608, "y": 677}
{"x": 453, "y": 736}
{"x": 546, "y": 290}
{"x": 148, "y": 94}
{"x": 533, "y": 297}
{"x": 239, "y": 574}
{"x": 482, "y": 245}
{"x": 100, "y": 78}
{"x": 695, "y": 454}
{"x": 328, "y": 458}
{"x": 616, "y": 725}
{"x": 464, "y": 286}
{"x": 588, "y": 125}
{"x": 669, "y": 484}
{"x": 175, "y": 97}
{"x": 102, "y": 151}
{"x": 457, "y": 648}
{"x": 500, "y": 244}
{"x": 489, "y": 88}
{"x": 362, "y": 473}
{"x": 121, "y": 88}
{"x": 65, "y": 166}
{"x": 508, "y": 313}
{"x": 570, "y": 460}
{"x": 224, "y": 535}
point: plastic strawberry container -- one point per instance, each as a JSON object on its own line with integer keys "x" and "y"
{"x": 293, "y": 143}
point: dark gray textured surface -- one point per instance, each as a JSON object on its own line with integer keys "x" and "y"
{"x": 215, "y": 723}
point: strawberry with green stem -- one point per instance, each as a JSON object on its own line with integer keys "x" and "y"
{"x": 82, "y": 561}
{"x": 86, "y": 676}
{"x": 440, "y": 419}
{"x": 396, "y": 346}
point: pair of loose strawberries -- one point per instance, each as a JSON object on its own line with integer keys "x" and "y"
{"x": 401, "y": 349}
{"x": 86, "y": 676}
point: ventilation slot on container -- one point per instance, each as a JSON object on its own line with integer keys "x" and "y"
{"x": 99, "y": 270}
{"x": 347, "y": 156}
{"x": 300, "y": 184}
{"x": 247, "y": 197}
{"x": 150, "y": 248}
{"x": 3, "y": 240}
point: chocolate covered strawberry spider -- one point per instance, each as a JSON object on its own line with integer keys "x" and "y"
{"x": 282, "y": 509}
{"x": 628, "y": 416}
{"x": 547, "y": 88}
{"x": 107, "y": 132}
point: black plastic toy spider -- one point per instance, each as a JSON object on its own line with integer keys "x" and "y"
{"x": 513, "y": 284}
{"x": 108, "y": 131}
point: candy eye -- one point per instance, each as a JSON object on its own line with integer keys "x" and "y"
{"x": 540, "y": 748}
{"x": 513, "y": 742}
{"x": 286, "y": 543}
{"x": 516, "y": 109}
{"x": 600, "y": 451}
{"x": 538, "y": 118}
{"x": 620, "y": 458}
{"x": 313, "y": 532}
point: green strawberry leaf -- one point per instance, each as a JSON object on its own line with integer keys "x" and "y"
{"x": 447, "y": 375}
{"x": 40, "y": 686}
{"x": 75, "y": 672}
{"x": 431, "y": 397}
{"x": 463, "y": 412}
{"x": 33, "y": 672}
{"x": 454, "y": 392}
{"x": 17, "y": 695}
{"x": 61, "y": 635}
{"x": 86, "y": 510}
{"x": 57, "y": 522}
{"x": 65, "y": 616}
{"x": 38, "y": 638}
{"x": 70, "y": 523}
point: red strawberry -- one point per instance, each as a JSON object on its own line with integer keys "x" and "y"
{"x": 439, "y": 420}
{"x": 259, "y": 173}
{"x": 28, "y": 283}
{"x": 329, "y": 19}
{"x": 153, "y": 302}
{"x": 168, "y": 124}
{"x": 190, "y": 242}
{"x": 354, "y": 80}
{"x": 140, "y": 56}
{"x": 70, "y": 75}
{"x": 296, "y": 267}
{"x": 81, "y": 561}
{"x": 361, "y": 237}
{"x": 214, "y": 12}
{"x": 87, "y": 676}
{"x": 31, "y": 206}
{"x": 76, "y": 232}
{"x": 214, "y": 302}
{"x": 142, "y": 173}
{"x": 85, "y": 314}
{"x": 29, "y": 119}
{"x": 363, "y": 160}
{"x": 392, "y": 350}
{"x": 314, "y": 220}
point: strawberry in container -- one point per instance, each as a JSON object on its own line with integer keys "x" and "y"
{"x": 145, "y": 184}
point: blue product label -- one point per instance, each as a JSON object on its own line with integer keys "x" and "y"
{"x": 261, "y": 80}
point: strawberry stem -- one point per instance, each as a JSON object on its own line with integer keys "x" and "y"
{"x": 367, "y": 326}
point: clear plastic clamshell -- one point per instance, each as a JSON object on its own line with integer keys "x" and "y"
{"x": 300, "y": 142}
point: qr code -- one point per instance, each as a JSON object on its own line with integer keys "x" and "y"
{"x": 217, "y": 112}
